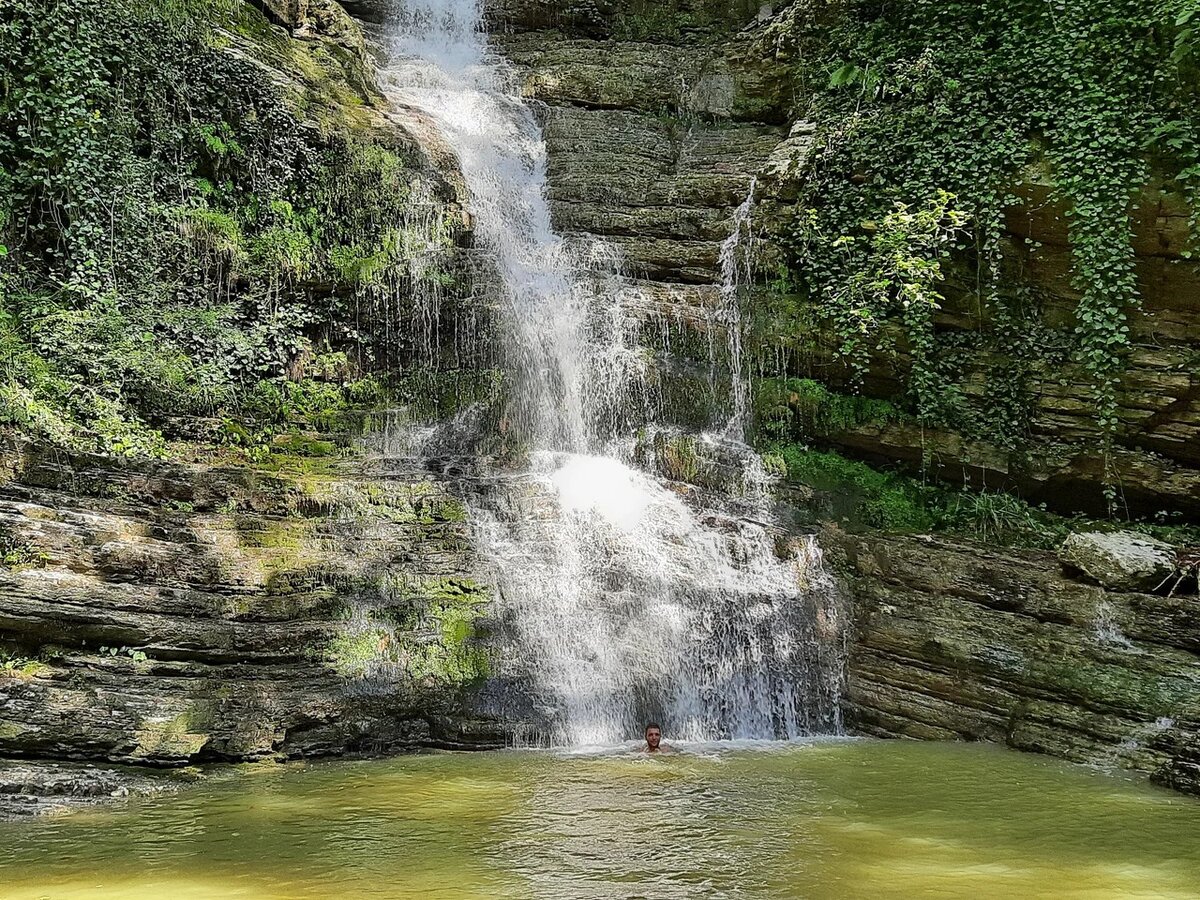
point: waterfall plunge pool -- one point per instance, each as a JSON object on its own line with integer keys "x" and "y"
{"x": 825, "y": 819}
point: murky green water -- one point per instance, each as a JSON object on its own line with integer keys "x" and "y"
{"x": 827, "y": 820}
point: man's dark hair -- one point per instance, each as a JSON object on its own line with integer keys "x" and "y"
{"x": 653, "y": 725}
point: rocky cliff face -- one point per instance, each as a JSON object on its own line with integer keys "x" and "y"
{"x": 959, "y": 641}
{"x": 657, "y": 116}
{"x": 165, "y": 613}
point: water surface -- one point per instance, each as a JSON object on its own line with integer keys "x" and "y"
{"x": 838, "y": 819}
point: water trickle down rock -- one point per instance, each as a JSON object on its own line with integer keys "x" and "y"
{"x": 737, "y": 264}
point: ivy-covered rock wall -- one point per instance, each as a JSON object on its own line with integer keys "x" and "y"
{"x": 209, "y": 217}
{"x": 222, "y": 255}
{"x": 986, "y": 218}
{"x": 976, "y": 218}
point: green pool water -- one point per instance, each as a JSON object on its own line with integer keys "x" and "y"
{"x": 839, "y": 819}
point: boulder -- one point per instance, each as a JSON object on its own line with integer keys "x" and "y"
{"x": 1120, "y": 560}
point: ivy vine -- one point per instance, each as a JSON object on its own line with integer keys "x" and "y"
{"x": 930, "y": 115}
{"x": 180, "y": 226}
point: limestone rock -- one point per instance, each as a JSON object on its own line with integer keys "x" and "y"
{"x": 956, "y": 640}
{"x": 1121, "y": 560}
{"x": 173, "y": 613}
{"x": 38, "y": 788}
{"x": 791, "y": 155}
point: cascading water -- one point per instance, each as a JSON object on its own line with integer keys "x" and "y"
{"x": 622, "y": 597}
{"x": 443, "y": 68}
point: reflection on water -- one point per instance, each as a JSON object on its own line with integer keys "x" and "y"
{"x": 836, "y": 819}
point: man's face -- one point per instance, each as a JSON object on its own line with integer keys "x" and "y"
{"x": 653, "y": 738}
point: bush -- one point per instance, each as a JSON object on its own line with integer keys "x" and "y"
{"x": 879, "y": 500}
{"x": 176, "y": 231}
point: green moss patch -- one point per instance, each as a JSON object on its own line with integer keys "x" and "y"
{"x": 429, "y": 635}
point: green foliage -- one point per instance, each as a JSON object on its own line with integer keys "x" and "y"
{"x": 321, "y": 404}
{"x": 993, "y": 516}
{"x": 176, "y": 230}
{"x": 16, "y": 665}
{"x": 928, "y": 114}
{"x": 876, "y": 499}
{"x": 17, "y": 556}
{"x": 865, "y": 496}
{"x": 137, "y": 656}
{"x": 801, "y": 406}
{"x": 893, "y": 267}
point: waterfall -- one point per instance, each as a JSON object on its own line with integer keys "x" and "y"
{"x": 622, "y": 596}
{"x": 1107, "y": 630}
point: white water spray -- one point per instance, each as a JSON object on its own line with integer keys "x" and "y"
{"x": 621, "y": 597}
{"x": 1107, "y": 630}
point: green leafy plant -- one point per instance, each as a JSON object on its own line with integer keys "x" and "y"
{"x": 934, "y": 121}
{"x": 995, "y": 516}
{"x": 16, "y": 555}
{"x": 15, "y": 665}
{"x": 179, "y": 226}
{"x": 138, "y": 656}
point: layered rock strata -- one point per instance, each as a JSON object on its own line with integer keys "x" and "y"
{"x": 960, "y": 641}
{"x": 1049, "y": 445}
{"x": 166, "y": 614}
{"x": 657, "y": 117}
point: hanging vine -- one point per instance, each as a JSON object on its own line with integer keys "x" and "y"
{"x": 946, "y": 105}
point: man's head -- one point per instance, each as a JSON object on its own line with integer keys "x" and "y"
{"x": 653, "y": 736}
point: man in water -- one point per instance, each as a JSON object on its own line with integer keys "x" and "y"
{"x": 654, "y": 742}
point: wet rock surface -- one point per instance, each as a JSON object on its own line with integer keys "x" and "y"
{"x": 657, "y": 119}
{"x": 170, "y": 614}
{"x": 652, "y": 142}
{"x": 31, "y": 788}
